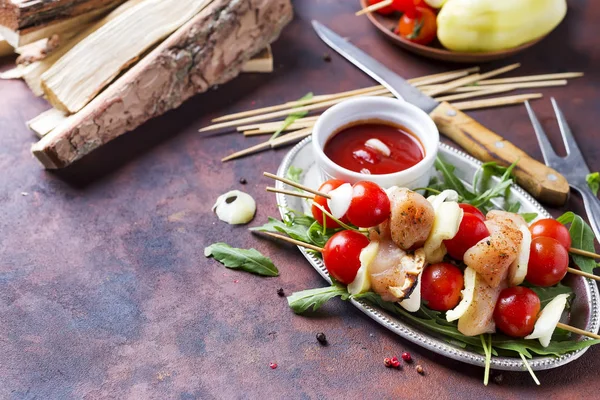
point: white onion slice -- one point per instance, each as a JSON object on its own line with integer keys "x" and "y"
{"x": 340, "y": 200}
{"x": 413, "y": 302}
{"x": 467, "y": 296}
{"x": 447, "y": 194}
{"x": 549, "y": 317}
{"x": 378, "y": 146}
{"x": 448, "y": 217}
{"x": 518, "y": 269}
{"x": 362, "y": 281}
{"x": 235, "y": 207}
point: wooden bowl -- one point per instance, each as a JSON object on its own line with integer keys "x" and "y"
{"x": 386, "y": 24}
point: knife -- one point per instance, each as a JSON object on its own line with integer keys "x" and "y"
{"x": 542, "y": 182}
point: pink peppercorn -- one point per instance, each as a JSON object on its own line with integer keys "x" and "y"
{"x": 406, "y": 356}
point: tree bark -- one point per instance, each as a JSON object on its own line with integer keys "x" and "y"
{"x": 209, "y": 50}
{"x": 22, "y": 14}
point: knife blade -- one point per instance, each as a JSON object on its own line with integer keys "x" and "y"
{"x": 542, "y": 182}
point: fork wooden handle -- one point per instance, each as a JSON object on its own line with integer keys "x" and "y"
{"x": 541, "y": 181}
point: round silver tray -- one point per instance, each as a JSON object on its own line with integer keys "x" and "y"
{"x": 584, "y": 309}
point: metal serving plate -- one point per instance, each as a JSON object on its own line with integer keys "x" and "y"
{"x": 584, "y": 312}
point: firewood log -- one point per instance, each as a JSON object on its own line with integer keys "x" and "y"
{"x": 208, "y": 50}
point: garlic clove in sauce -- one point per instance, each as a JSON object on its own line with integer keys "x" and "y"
{"x": 378, "y": 146}
{"x": 235, "y": 207}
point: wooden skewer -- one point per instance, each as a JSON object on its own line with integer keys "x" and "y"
{"x": 296, "y": 184}
{"x": 581, "y": 273}
{"x": 280, "y": 141}
{"x": 471, "y": 79}
{"x": 281, "y": 113}
{"x": 275, "y": 127}
{"x": 290, "y": 193}
{"x": 419, "y": 81}
{"x": 577, "y": 330}
{"x": 294, "y": 241}
{"x": 468, "y": 95}
{"x": 523, "y": 85}
{"x": 298, "y": 103}
{"x": 584, "y": 253}
{"x": 496, "y": 101}
{"x": 531, "y": 78}
{"x": 274, "y": 123}
{"x": 374, "y": 7}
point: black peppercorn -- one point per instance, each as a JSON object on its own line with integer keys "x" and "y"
{"x": 280, "y": 292}
{"x": 243, "y": 181}
{"x": 321, "y": 338}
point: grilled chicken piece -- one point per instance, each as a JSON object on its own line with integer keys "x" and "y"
{"x": 411, "y": 218}
{"x": 491, "y": 257}
{"x": 506, "y": 217}
{"x": 394, "y": 272}
{"x": 479, "y": 317}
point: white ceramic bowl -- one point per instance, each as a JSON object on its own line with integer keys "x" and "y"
{"x": 386, "y": 109}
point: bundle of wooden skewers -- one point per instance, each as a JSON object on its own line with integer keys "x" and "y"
{"x": 107, "y": 66}
{"x": 453, "y": 86}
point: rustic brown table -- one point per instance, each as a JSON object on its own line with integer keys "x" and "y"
{"x": 105, "y": 292}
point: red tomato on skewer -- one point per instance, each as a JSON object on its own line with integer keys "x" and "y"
{"x": 551, "y": 228}
{"x": 471, "y": 230}
{"x": 326, "y": 187}
{"x": 341, "y": 255}
{"x": 473, "y": 210}
{"x": 548, "y": 262}
{"x": 516, "y": 311}
{"x": 370, "y": 205}
{"x": 441, "y": 285}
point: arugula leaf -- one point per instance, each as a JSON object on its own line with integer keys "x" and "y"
{"x": 497, "y": 189}
{"x": 299, "y": 302}
{"x": 582, "y": 237}
{"x": 293, "y": 117}
{"x": 548, "y": 293}
{"x": 294, "y": 173}
{"x": 433, "y": 324}
{"x": 451, "y": 181}
{"x": 528, "y": 217}
{"x": 247, "y": 260}
{"x": 295, "y": 231}
{"x": 319, "y": 237}
{"x": 555, "y": 348}
{"x": 593, "y": 181}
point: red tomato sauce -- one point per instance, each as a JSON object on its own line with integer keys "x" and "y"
{"x": 347, "y": 148}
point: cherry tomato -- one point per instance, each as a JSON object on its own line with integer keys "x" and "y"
{"x": 548, "y": 262}
{"x": 385, "y": 10}
{"x": 341, "y": 255}
{"x": 409, "y": 7}
{"x": 516, "y": 311}
{"x": 421, "y": 28}
{"x": 473, "y": 210}
{"x": 551, "y": 228}
{"x": 471, "y": 230}
{"x": 370, "y": 205}
{"x": 441, "y": 285}
{"x": 326, "y": 187}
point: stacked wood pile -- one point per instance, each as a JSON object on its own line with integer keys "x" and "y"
{"x": 133, "y": 61}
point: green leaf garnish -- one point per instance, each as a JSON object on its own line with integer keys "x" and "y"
{"x": 294, "y": 174}
{"x": 582, "y": 237}
{"x": 528, "y": 217}
{"x": 293, "y": 230}
{"x": 593, "y": 181}
{"x": 535, "y": 379}
{"x": 299, "y": 302}
{"x": 290, "y": 119}
{"x": 249, "y": 260}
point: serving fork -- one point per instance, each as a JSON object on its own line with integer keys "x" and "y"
{"x": 572, "y": 166}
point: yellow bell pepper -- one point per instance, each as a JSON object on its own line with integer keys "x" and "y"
{"x": 490, "y": 25}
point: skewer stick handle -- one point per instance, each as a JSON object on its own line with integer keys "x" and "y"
{"x": 294, "y": 241}
{"x": 581, "y": 273}
{"x": 584, "y": 253}
{"x": 577, "y": 330}
{"x": 296, "y": 184}
{"x": 290, "y": 193}
{"x": 374, "y": 7}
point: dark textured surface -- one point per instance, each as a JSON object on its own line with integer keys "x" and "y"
{"x": 105, "y": 293}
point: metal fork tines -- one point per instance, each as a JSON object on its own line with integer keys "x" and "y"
{"x": 572, "y": 167}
